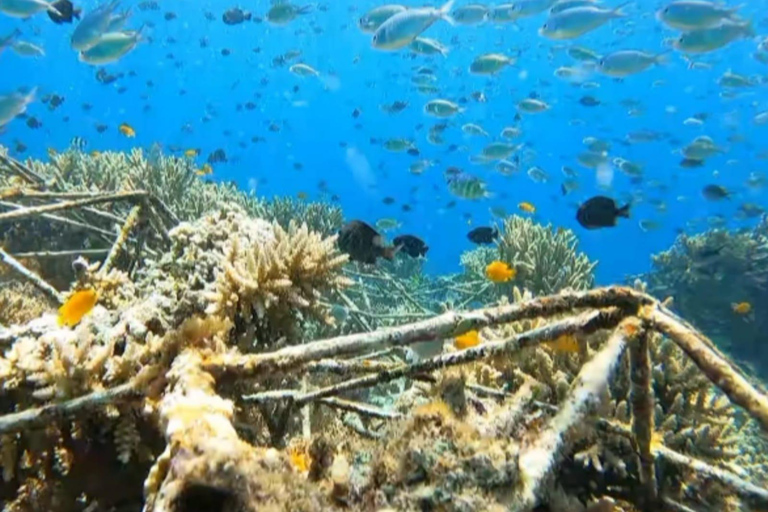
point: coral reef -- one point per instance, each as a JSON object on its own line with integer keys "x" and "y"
{"x": 707, "y": 275}
{"x": 193, "y": 383}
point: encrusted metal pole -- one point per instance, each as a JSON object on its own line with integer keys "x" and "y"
{"x": 30, "y": 276}
{"x": 718, "y": 370}
{"x": 641, "y": 396}
{"x": 538, "y": 460}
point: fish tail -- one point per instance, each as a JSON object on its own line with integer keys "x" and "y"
{"x": 445, "y": 12}
{"x": 618, "y": 13}
{"x": 662, "y": 58}
{"x": 748, "y": 29}
{"x": 389, "y": 252}
{"x": 623, "y": 211}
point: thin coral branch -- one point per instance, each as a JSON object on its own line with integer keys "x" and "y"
{"x": 538, "y": 460}
{"x": 675, "y": 506}
{"x": 32, "y": 211}
{"x": 61, "y": 254}
{"x": 717, "y": 369}
{"x": 348, "y": 367}
{"x": 734, "y": 482}
{"x": 360, "y": 408}
{"x": 64, "y": 220}
{"x": 738, "y": 485}
{"x": 40, "y": 416}
{"x": 21, "y": 170}
{"x": 30, "y": 276}
{"x": 443, "y": 326}
{"x": 642, "y": 415}
{"x": 122, "y": 238}
{"x": 586, "y": 322}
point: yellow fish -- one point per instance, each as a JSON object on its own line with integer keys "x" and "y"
{"x": 77, "y": 306}
{"x": 127, "y": 130}
{"x": 52, "y": 152}
{"x": 565, "y": 343}
{"x": 500, "y": 272}
{"x": 95, "y": 153}
{"x": 302, "y": 195}
{"x": 742, "y": 308}
{"x": 205, "y": 170}
{"x": 191, "y": 153}
{"x": 467, "y": 340}
{"x": 527, "y": 207}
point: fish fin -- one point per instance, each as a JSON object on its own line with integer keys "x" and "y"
{"x": 623, "y": 211}
{"x": 54, "y": 10}
{"x": 731, "y": 11}
{"x": 306, "y": 9}
{"x": 445, "y": 12}
{"x": 77, "y": 12}
{"x": 617, "y": 12}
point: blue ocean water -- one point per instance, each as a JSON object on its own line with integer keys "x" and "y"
{"x": 175, "y": 91}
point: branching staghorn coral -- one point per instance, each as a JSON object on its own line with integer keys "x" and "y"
{"x": 171, "y": 184}
{"x": 707, "y": 275}
{"x": 546, "y": 259}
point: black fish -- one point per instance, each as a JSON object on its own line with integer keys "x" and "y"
{"x": 217, "y": 156}
{"x": 690, "y": 163}
{"x": 235, "y": 16}
{"x": 600, "y": 212}
{"x": 363, "y": 243}
{"x": 483, "y": 235}
{"x": 715, "y": 192}
{"x": 66, "y": 11}
{"x": 411, "y": 245}
{"x": 589, "y": 101}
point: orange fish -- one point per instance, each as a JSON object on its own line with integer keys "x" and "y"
{"x": 527, "y": 207}
{"x": 127, "y": 130}
{"x": 500, "y": 272}
{"x": 467, "y": 340}
{"x": 205, "y": 170}
{"x": 77, "y": 306}
{"x": 565, "y": 343}
{"x": 742, "y": 308}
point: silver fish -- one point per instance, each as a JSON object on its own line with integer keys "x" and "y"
{"x": 93, "y": 26}
{"x": 14, "y": 104}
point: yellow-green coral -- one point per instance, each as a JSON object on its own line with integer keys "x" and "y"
{"x": 546, "y": 258}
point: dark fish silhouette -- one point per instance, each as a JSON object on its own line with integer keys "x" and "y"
{"x": 600, "y": 212}
{"x": 363, "y": 243}
{"x": 66, "y": 11}
{"x": 690, "y": 163}
{"x": 235, "y": 16}
{"x": 483, "y": 235}
{"x": 589, "y": 101}
{"x": 715, "y": 193}
{"x": 411, "y": 245}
